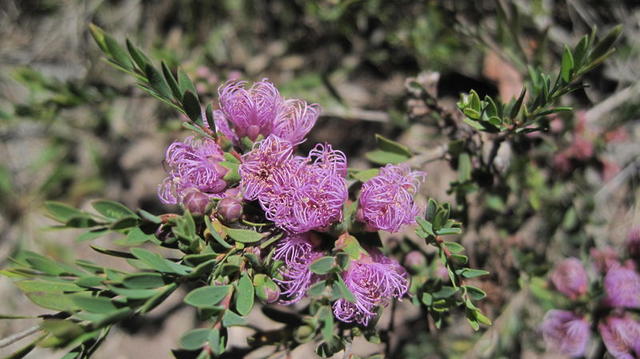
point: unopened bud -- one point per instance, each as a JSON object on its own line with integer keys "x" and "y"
{"x": 229, "y": 209}
{"x": 266, "y": 289}
{"x": 414, "y": 259}
{"x": 195, "y": 201}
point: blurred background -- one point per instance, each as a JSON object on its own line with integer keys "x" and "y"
{"x": 74, "y": 129}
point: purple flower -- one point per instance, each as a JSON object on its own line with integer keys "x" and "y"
{"x": 621, "y": 336}
{"x": 260, "y": 110}
{"x": 192, "y": 164}
{"x": 260, "y": 166}
{"x": 570, "y": 278}
{"x": 297, "y": 252}
{"x": 386, "y": 200}
{"x": 622, "y": 288}
{"x": 566, "y": 332}
{"x": 374, "y": 281}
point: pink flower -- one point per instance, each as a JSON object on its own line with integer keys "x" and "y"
{"x": 565, "y": 332}
{"x": 622, "y": 288}
{"x": 192, "y": 164}
{"x": 621, "y": 336}
{"x": 570, "y": 278}
{"x": 260, "y": 110}
{"x": 374, "y": 281}
{"x": 260, "y": 166}
{"x": 386, "y": 200}
{"x": 297, "y": 252}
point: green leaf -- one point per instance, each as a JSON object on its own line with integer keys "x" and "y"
{"x": 445, "y": 292}
{"x": 62, "y": 212}
{"x": 135, "y": 237}
{"x": 454, "y": 247}
{"x": 385, "y": 157}
{"x": 195, "y": 338}
{"x": 157, "y": 81}
{"x": 124, "y": 223}
{"x": 89, "y": 281}
{"x": 518, "y": 104}
{"x": 206, "y": 297}
{"x": 365, "y": 175}
{"x": 567, "y": 65}
{"x": 63, "y": 329}
{"x": 464, "y": 167}
{"x": 53, "y": 301}
{"x": 472, "y": 273}
{"x": 448, "y": 231}
{"x": 158, "y": 262}
{"x": 98, "y": 35}
{"x": 209, "y": 116}
{"x": 232, "y": 176}
{"x": 28, "y": 286}
{"x": 244, "y": 295}
{"x": 171, "y": 80}
{"x": 192, "y": 107}
{"x": 388, "y": 145}
{"x": 243, "y": 235}
{"x": 323, "y": 265}
{"x": 143, "y": 281}
{"x": 93, "y": 304}
{"x": 185, "y": 82}
{"x": 112, "y": 210}
{"x": 92, "y": 234}
{"x": 139, "y": 58}
{"x": 117, "y": 52}
{"x": 474, "y": 292}
{"x": 603, "y": 46}
{"x": 342, "y": 289}
{"x": 150, "y": 217}
{"x": 134, "y": 293}
{"x": 231, "y": 319}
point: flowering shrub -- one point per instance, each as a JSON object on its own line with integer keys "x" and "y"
{"x": 258, "y": 220}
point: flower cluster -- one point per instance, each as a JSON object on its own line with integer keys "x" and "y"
{"x": 299, "y": 195}
{"x": 569, "y": 331}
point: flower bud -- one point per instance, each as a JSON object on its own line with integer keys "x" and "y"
{"x": 229, "y": 209}
{"x": 414, "y": 259}
{"x": 266, "y": 289}
{"x": 570, "y": 278}
{"x": 195, "y": 201}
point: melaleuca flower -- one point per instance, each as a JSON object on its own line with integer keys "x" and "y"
{"x": 309, "y": 193}
{"x": 260, "y": 110}
{"x": 374, "y": 281}
{"x": 297, "y": 252}
{"x": 565, "y": 332}
{"x": 386, "y": 200}
{"x": 621, "y": 336}
{"x": 260, "y": 166}
{"x": 633, "y": 242}
{"x": 570, "y": 278}
{"x": 604, "y": 258}
{"x": 622, "y": 288}
{"x": 192, "y": 164}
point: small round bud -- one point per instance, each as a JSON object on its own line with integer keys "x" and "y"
{"x": 570, "y": 278}
{"x": 229, "y": 209}
{"x": 195, "y": 201}
{"x": 414, "y": 259}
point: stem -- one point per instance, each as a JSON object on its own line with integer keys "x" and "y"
{"x": 16, "y": 337}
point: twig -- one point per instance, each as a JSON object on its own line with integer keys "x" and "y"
{"x": 18, "y": 336}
